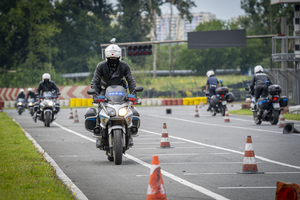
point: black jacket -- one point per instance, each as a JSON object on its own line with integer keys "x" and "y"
{"x": 46, "y": 86}
{"x": 102, "y": 71}
{"x": 21, "y": 96}
{"x": 259, "y": 80}
{"x": 31, "y": 95}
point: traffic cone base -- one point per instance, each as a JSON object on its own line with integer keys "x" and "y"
{"x": 71, "y": 114}
{"x": 76, "y": 120}
{"x": 226, "y": 118}
{"x": 155, "y": 188}
{"x": 281, "y": 120}
{"x": 165, "y": 142}
{"x": 249, "y": 165}
{"x": 197, "y": 114}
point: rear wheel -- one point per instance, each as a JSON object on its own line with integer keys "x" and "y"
{"x": 256, "y": 119}
{"x": 274, "y": 117}
{"x": 212, "y": 112}
{"x": 47, "y": 119}
{"x": 117, "y": 147}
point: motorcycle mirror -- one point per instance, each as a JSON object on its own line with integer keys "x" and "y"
{"x": 139, "y": 89}
{"x": 221, "y": 81}
{"x": 91, "y": 92}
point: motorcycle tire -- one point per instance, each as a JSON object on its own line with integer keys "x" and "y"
{"x": 117, "y": 146}
{"x": 20, "y": 112}
{"x": 47, "y": 119}
{"x": 274, "y": 117}
{"x": 256, "y": 119}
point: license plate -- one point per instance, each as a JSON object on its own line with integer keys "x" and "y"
{"x": 224, "y": 103}
{"x": 275, "y": 105}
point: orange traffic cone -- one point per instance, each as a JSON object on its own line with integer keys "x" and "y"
{"x": 165, "y": 142}
{"x": 71, "y": 114}
{"x": 226, "y": 119}
{"x": 76, "y": 120}
{"x": 281, "y": 120}
{"x": 197, "y": 114}
{"x": 156, "y": 188}
{"x": 290, "y": 191}
{"x": 249, "y": 165}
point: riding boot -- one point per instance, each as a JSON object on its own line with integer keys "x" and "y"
{"x": 34, "y": 117}
{"x": 130, "y": 142}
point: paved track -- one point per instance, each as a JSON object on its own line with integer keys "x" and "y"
{"x": 207, "y": 153}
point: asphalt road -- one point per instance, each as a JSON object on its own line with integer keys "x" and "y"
{"x": 203, "y": 163}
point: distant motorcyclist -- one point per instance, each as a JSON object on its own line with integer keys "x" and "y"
{"x": 259, "y": 81}
{"x": 21, "y": 95}
{"x": 111, "y": 72}
{"x": 30, "y": 94}
{"x": 211, "y": 85}
{"x": 45, "y": 85}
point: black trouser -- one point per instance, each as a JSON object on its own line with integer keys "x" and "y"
{"x": 261, "y": 91}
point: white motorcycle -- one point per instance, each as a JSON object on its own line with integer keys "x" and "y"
{"x": 117, "y": 120}
{"x": 48, "y": 108}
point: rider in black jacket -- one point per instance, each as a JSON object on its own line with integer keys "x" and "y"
{"x": 111, "y": 72}
{"x": 30, "y": 94}
{"x": 259, "y": 81}
{"x": 45, "y": 85}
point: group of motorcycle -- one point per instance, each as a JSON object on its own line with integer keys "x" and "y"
{"x": 47, "y": 104}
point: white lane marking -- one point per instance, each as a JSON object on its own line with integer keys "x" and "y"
{"x": 188, "y": 154}
{"x": 180, "y": 180}
{"x": 262, "y": 187}
{"x": 165, "y": 173}
{"x": 68, "y": 156}
{"x": 201, "y": 163}
{"x": 158, "y": 144}
{"x": 269, "y": 173}
{"x": 176, "y": 148}
{"x": 201, "y": 115}
{"x": 225, "y": 149}
{"x": 219, "y": 125}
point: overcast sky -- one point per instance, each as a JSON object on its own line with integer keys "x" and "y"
{"x": 223, "y": 9}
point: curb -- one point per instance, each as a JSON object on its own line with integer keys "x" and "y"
{"x": 60, "y": 174}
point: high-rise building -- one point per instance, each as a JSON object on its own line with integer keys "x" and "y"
{"x": 179, "y": 27}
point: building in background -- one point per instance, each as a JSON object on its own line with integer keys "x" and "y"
{"x": 179, "y": 27}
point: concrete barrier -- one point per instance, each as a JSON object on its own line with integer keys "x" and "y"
{"x": 294, "y": 109}
{"x": 6, "y": 104}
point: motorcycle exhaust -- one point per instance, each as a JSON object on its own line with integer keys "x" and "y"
{"x": 289, "y": 128}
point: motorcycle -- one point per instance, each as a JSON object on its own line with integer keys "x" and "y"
{"x": 30, "y": 105}
{"x": 220, "y": 100}
{"x": 20, "y": 105}
{"x": 117, "y": 120}
{"x": 269, "y": 106}
{"x": 48, "y": 107}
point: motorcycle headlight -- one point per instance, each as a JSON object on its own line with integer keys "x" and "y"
{"x": 30, "y": 104}
{"x": 123, "y": 111}
{"x": 20, "y": 103}
{"x": 50, "y": 103}
{"x": 111, "y": 111}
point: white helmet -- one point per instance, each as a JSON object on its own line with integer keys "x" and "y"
{"x": 258, "y": 68}
{"x": 30, "y": 89}
{"x": 46, "y": 76}
{"x": 22, "y": 90}
{"x": 113, "y": 51}
{"x": 210, "y": 73}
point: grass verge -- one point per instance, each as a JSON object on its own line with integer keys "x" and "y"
{"x": 24, "y": 173}
{"x": 287, "y": 116}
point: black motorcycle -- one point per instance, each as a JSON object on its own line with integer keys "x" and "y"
{"x": 219, "y": 101}
{"x": 268, "y": 108}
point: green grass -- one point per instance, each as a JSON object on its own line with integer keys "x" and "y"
{"x": 287, "y": 116}
{"x": 24, "y": 173}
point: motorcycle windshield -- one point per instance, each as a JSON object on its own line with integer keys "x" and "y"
{"x": 47, "y": 95}
{"x": 21, "y": 100}
{"x": 116, "y": 94}
{"x": 31, "y": 100}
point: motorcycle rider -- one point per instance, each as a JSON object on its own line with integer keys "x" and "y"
{"x": 30, "y": 94}
{"x": 21, "y": 95}
{"x": 259, "y": 81}
{"x": 211, "y": 85}
{"x": 45, "y": 85}
{"x": 112, "y": 71}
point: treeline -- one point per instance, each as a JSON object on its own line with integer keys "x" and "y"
{"x": 64, "y": 36}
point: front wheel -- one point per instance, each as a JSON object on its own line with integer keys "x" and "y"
{"x": 31, "y": 111}
{"x": 256, "y": 119}
{"x": 213, "y": 112}
{"x": 117, "y": 147}
{"x": 274, "y": 117}
{"x": 47, "y": 119}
